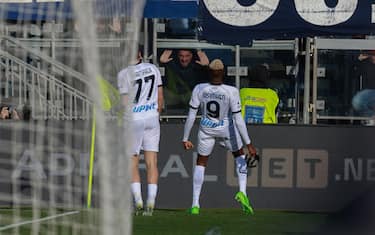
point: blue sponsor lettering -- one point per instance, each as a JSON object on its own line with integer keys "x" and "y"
{"x": 144, "y": 108}
{"x": 211, "y": 124}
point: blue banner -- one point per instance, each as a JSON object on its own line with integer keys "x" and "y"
{"x": 171, "y": 9}
{"x": 57, "y": 10}
{"x": 241, "y": 21}
{"x": 34, "y": 10}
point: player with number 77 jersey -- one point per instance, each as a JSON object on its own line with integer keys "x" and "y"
{"x": 141, "y": 83}
{"x": 221, "y": 120}
{"x": 141, "y": 88}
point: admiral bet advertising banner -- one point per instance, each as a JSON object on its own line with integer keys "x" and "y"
{"x": 240, "y": 21}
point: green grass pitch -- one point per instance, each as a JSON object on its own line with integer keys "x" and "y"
{"x": 227, "y": 221}
{"x": 176, "y": 222}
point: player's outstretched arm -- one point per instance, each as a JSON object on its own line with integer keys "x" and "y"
{"x": 188, "y": 125}
{"x": 241, "y": 126}
{"x": 160, "y": 99}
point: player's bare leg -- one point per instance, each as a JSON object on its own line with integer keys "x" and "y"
{"x": 136, "y": 184}
{"x": 152, "y": 180}
{"x": 198, "y": 179}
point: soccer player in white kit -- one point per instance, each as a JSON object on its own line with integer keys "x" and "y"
{"x": 141, "y": 88}
{"x": 221, "y": 120}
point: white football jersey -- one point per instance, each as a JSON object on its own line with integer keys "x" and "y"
{"x": 141, "y": 83}
{"x": 217, "y": 104}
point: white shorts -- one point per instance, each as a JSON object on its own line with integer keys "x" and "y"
{"x": 145, "y": 135}
{"x": 229, "y": 137}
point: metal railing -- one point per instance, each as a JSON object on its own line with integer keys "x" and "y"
{"x": 8, "y": 42}
{"x": 334, "y": 44}
{"x": 47, "y": 96}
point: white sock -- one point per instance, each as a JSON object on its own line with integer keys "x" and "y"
{"x": 241, "y": 169}
{"x": 137, "y": 193}
{"x": 152, "y": 191}
{"x": 197, "y": 183}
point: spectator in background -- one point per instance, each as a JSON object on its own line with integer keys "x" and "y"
{"x": 182, "y": 74}
{"x": 116, "y": 26}
{"x": 364, "y": 100}
{"x": 259, "y": 102}
{"x": 104, "y": 26}
{"x": 8, "y": 112}
{"x": 259, "y": 77}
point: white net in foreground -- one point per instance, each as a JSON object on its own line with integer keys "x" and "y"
{"x": 63, "y": 166}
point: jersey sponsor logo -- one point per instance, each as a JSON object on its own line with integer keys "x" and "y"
{"x": 255, "y": 99}
{"x": 254, "y": 114}
{"x": 143, "y": 72}
{"x": 213, "y": 96}
{"x": 211, "y": 124}
{"x": 144, "y": 108}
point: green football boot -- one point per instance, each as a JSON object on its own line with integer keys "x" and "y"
{"x": 194, "y": 210}
{"x": 246, "y": 207}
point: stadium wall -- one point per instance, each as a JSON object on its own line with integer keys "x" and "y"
{"x": 303, "y": 168}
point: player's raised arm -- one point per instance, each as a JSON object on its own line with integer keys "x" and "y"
{"x": 203, "y": 59}
{"x": 166, "y": 56}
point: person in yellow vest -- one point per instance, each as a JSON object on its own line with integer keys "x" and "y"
{"x": 259, "y": 105}
{"x": 258, "y": 101}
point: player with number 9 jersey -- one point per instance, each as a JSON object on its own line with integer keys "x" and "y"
{"x": 221, "y": 120}
{"x": 217, "y": 104}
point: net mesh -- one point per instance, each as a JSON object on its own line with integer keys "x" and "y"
{"x": 63, "y": 159}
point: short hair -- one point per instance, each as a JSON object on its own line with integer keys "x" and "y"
{"x": 216, "y": 70}
{"x": 192, "y": 51}
{"x": 216, "y": 64}
{"x": 259, "y": 76}
{"x": 260, "y": 72}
